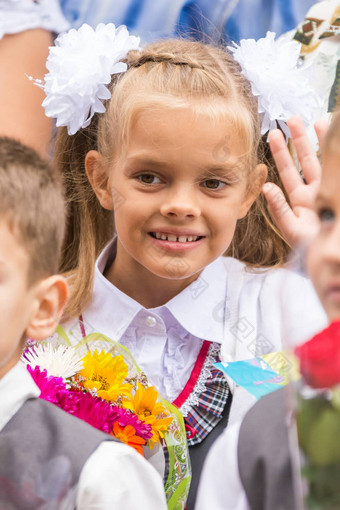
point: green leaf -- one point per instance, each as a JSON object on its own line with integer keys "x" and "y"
{"x": 319, "y": 430}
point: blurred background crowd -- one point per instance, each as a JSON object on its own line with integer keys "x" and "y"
{"x": 231, "y": 19}
{"x": 28, "y": 28}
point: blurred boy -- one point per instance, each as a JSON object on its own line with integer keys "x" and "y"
{"x": 249, "y": 466}
{"x": 48, "y": 458}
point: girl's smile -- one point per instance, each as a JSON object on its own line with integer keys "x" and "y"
{"x": 179, "y": 205}
{"x": 176, "y": 240}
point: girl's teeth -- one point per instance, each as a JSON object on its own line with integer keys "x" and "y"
{"x": 173, "y": 238}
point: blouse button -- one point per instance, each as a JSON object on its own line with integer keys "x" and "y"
{"x": 151, "y": 321}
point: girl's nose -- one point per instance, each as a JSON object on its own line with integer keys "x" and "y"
{"x": 181, "y": 204}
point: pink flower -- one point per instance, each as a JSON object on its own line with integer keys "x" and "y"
{"x": 95, "y": 411}
{"x": 49, "y": 386}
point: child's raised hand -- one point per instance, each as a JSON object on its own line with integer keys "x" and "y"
{"x": 298, "y": 221}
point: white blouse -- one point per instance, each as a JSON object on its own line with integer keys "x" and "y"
{"x": 248, "y": 313}
{"x": 220, "y": 485}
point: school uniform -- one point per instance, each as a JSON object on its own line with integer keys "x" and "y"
{"x": 50, "y": 459}
{"x": 251, "y": 465}
{"x": 228, "y": 313}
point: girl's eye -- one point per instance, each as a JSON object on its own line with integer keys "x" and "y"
{"x": 148, "y": 179}
{"x": 214, "y": 184}
{"x": 326, "y": 215}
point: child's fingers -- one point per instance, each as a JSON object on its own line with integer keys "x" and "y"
{"x": 279, "y": 208}
{"x": 288, "y": 172}
{"x": 306, "y": 154}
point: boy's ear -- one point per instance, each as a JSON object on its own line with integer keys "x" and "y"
{"x": 257, "y": 179}
{"x": 97, "y": 173}
{"x": 50, "y": 298}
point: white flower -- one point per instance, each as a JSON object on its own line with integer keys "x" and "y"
{"x": 278, "y": 80}
{"x": 80, "y": 66}
{"x": 59, "y": 361}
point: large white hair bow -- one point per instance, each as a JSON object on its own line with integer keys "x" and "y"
{"x": 82, "y": 61}
{"x": 80, "y": 66}
{"x": 278, "y": 79}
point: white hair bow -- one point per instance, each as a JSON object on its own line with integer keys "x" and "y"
{"x": 80, "y": 66}
{"x": 278, "y": 79}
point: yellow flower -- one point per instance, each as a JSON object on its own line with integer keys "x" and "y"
{"x": 104, "y": 374}
{"x": 144, "y": 404}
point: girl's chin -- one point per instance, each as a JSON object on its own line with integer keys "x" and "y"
{"x": 174, "y": 269}
{"x": 173, "y": 272}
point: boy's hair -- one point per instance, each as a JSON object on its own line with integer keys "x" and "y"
{"x": 175, "y": 74}
{"x": 32, "y": 203}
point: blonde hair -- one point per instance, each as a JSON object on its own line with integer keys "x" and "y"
{"x": 32, "y": 203}
{"x": 171, "y": 73}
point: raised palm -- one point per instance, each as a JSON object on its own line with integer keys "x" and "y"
{"x": 298, "y": 221}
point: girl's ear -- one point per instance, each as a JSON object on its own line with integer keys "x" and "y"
{"x": 97, "y": 173}
{"x": 49, "y": 300}
{"x": 257, "y": 179}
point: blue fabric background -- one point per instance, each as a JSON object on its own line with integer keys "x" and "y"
{"x": 152, "y": 19}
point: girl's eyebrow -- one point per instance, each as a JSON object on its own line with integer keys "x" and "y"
{"x": 222, "y": 169}
{"x": 218, "y": 169}
{"x": 148, "y": 161}
{"x": 233, "y": 172}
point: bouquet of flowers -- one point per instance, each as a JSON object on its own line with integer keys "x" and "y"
{"x": 98, "y": 381}
{"x": 318, "y": 418}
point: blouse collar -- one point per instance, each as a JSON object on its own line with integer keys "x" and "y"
{"x": 199, "y": 308}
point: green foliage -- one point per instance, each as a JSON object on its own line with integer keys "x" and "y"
{"x": 318, "y": 424}
{"x": 324, "y": 486}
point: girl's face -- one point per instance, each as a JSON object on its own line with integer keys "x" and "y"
{"x": 180, "y": 185}
{"x": 323, "y": 259}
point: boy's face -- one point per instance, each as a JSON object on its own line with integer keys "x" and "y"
{"x": 16, "y": 302}
{"x": 323, "y": 260}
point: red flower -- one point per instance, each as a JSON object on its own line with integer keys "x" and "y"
{"x": 320, "y": 358}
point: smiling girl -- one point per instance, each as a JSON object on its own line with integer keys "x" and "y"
{"x": 172, "y": 167}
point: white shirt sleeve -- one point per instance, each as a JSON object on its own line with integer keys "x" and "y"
{"x": 19, "y": 15}
{"x": 220, "y": 487}
{"x": 116, "y": 476}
